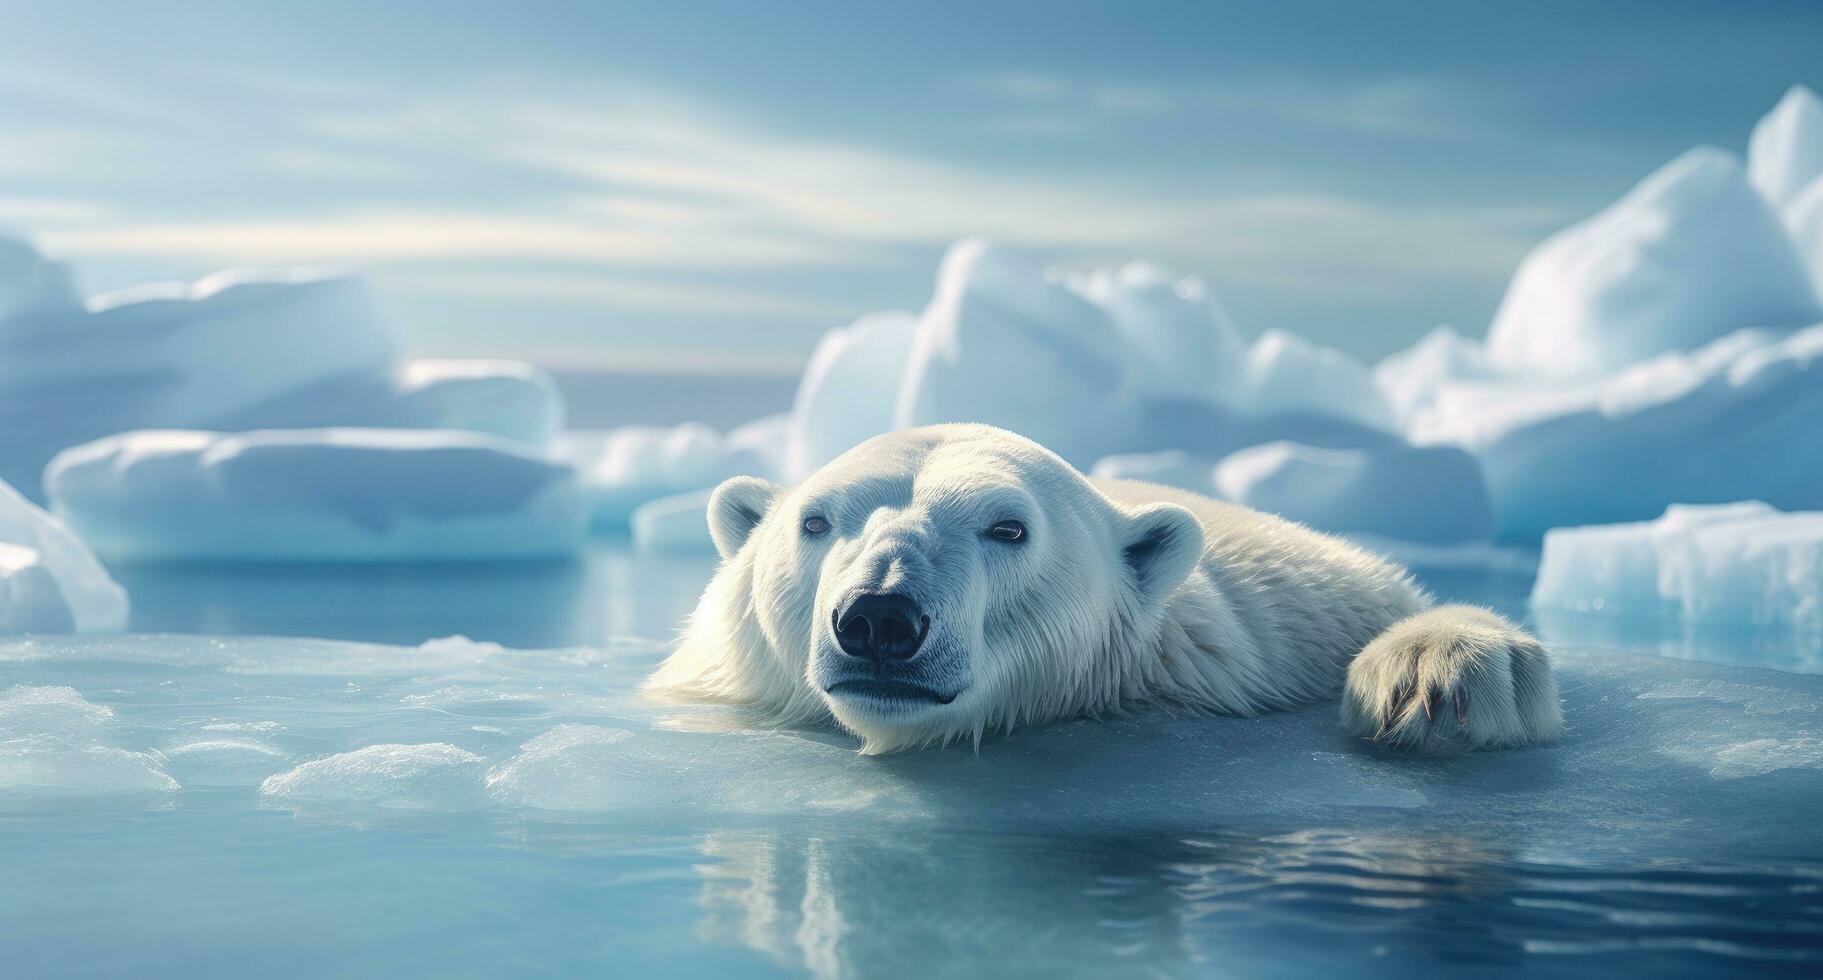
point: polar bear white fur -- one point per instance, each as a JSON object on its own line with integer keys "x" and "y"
{"x": 1028, "y": 593}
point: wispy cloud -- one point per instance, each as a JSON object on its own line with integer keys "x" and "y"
{"x": 42, "y": 211}
{"x": 626, "y": 294}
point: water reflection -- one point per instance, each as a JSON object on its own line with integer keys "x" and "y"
{"x": 1232, "y": 901}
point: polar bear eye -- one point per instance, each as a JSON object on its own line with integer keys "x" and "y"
{"x": 815, "y": 525}
{"x": 1007, "y": 531}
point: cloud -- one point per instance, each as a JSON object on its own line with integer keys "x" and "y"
{"x": 41, "y": 211}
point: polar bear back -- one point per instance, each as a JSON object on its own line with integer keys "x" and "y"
{"x": 1285, "y": 586}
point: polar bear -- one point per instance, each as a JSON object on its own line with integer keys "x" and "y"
{"x": 935, "y": 584}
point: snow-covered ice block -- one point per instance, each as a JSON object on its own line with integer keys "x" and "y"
{"x": 1734, "y": 420}
{"x": 1689, "y": 255}
{"x": 1171, "y": 467}
{"x": 1741, "y": 563}
{"x": 31, "y": 283}
{"x": 1410, "y": 379}
{"x": 679, "y": 522}
{"x": 623, "y": 468}
{"x": 1004, "y": 344}
{"x": 1287, "y": 374}
{"x": 317, "y": 494}
{"x": 56, "y": 743}
{"x": 1181, "y": 340}
{"x": 1804, "y": 219}
{"x": 50, "y": 582}
{"x": 1785, "y": 153}
{"x": 1414, "y": 494}
{"x": 224, "y": 352}
{"x": 849, "y": 391}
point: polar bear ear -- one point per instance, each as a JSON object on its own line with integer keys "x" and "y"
{"x": 735, "y": 509}
{"x": 1163, "y": 543}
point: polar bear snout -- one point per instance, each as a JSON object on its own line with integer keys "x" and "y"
{"x": 880, "y": 626}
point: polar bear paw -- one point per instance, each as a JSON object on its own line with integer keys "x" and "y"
{"x": 1452, "y": 678}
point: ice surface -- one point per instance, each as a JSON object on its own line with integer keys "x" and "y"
{"x": 1743, "y": 563}
{"x": 1004, "y": 344}
{"x": 1734, "y": 420}
{"x": 679, "y": 522}
{"x": 1691, "y": 254}
{"x": 324, "y": 494}
{"x": 1181, "y": 341}
{"x": 1415, "y": 494}
{"x": 432, "y": 776}
{"x": 849, "y": 391}
{"x": 50, "y": 581}
{"x": 1287, "y": 374}
{"x": 1785, "y": 153}
{"x": 346, "y": 728}
{"x": 626, "y": 467}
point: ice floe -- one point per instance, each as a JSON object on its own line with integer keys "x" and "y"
{"x": 324, "y": 494}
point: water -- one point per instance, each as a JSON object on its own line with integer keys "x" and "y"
{"x": 546, "y": 822}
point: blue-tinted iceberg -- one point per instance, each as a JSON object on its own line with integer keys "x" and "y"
{"x": 679, "y": 522}
{"x": 1691, "y": 254}
{"x": 1785, "y": 153}
{"x": 1744, "y": 563}
{"x": 1736, "y": 419}
{"x": 1413, "y": 494}
{"x": 1288, "y": 375}
{"x": 626, "y": 467}
{"x": 50, "y": 581}
{"x": 1171, "y": 467}
{"x": 1004, "y": 344}
{"x": 1179, "y": 338}
{"x": 849, "y": 392}
{"x": 317, "y": 495}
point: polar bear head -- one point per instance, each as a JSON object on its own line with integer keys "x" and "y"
{"x": 928, "y": 585}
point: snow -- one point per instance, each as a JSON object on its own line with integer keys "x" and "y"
{"x": 1287, "y": 374}
{"x": 1785, "y": 152}
{"x": 1691, "y": 254}
{"x": 626, "y": 467}
{"x": 1743, "y": 563}
{"x": 50, "y": 582}
{"x": 1733, "y": 420}
{"x": 343, "y": 730}
{"x": 679, "y": 522}
{"x": 1412, "y": 494}
{"x": 315, "y": 495}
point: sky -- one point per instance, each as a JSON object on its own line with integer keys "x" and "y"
{"x": 710, "y": 186}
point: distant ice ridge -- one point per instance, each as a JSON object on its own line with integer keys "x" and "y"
{"x": 238, "y": 350}
{"x": 620, "y": 469}
{"x": 318, "y": 494}
{"x": 50, "y": 582}
{"x": 1745, "y": 563}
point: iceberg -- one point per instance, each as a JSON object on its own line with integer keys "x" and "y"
{"x": 1181, "y": 340}
{"x": 1170, "y": 467}
{"x": 31, "y": 283}
{"x": 1004, "y": 344}
{"x": 50, "y": 582}
{"x": 1287, "y": 375}
{"x": 1733, "y": 420}
{"x": 1691, "y": 254}
{"x": 1742, "y": 563}
{"x": 1410, "y": 380}
{"x": 317, "y": 495}
{"x": 626, "y": 467}
{"x": 679, "y": 522}
{"x": 1785, "y": 152}
{"x": 1432, "y": 494}
{"x": 849, "y": 391}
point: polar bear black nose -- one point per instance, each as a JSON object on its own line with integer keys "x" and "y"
{"x": 880, "y": 626}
